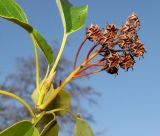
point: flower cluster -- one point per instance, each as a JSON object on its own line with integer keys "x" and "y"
{"x": 118, "y": 46}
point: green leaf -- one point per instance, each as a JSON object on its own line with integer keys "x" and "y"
{"x": 22, "y": 128}
{"x": 73, "y": 17}
{"x": 11, "y": 11}
{"x": 51, "y": 129}
{"x": 44, "y": 46}
{"x": 82, "y": 128}
{"x": 62, "y": 100}
{"x": 46, "y": 118}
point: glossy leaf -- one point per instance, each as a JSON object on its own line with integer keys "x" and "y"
{"x": 51, "y": 129}
{"x": 44, "y": 46}
{"x": 62, "y": 100}
{"x": 11, "y": 11}
{"x": 73, "y": 17}
{"x": 46, "y": 118}
{"x": 22, "y": 128}
{"x": 82, "y": 128}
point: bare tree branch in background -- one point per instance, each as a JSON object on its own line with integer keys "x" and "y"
{"x": 22, "y": 83}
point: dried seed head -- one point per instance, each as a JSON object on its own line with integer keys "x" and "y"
{"x": 124, "y": 41}
{"x": 109, "y": 35}
{"x": 109, "y": 53}
{"x": 133, "y": 21}
{"x": 112, "y": 30}
{"x": 128, "y": 33}
{"x": 118, "y": 46}
{"x": 137, "y": 49}
{"x": 93, "y": 32}
{"x": 127, "y": 61}
{"x": 103, "y": 39}
{"x": 112, "y": 59}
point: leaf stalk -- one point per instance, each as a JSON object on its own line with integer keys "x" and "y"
{"x": 37, "y": 63}
{"x": 18, "y": 99}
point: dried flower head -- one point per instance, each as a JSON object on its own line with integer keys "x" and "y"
{"x": 126, "y": 38}
{"x": 112, "y": 30}
{"x": 109, "y": 35}
{"x": 133, "y": 21}
{"x": 124, "y": 41}
{"x": 137, "y": 49}
{"x": 112, "y": 58}
{"x": 118, "y": 47}
{"x": 127, "y": 61}
{"x": 93, "y": 32}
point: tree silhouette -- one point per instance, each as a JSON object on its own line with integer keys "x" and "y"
{"x": 22, "y": 83}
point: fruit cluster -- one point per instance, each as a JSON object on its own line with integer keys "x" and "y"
{"x": 118, "y": 46}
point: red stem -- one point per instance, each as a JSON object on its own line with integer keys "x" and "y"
{"x": 87, "y": 74}
{"x": 90, "y": 51}
{"x": 77, "y": 54}
{"x": 98, "y": 63}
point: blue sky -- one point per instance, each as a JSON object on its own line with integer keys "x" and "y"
{"x": 130, "y": 103}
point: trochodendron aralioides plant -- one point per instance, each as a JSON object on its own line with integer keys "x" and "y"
{"x": 113, "y": 48}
